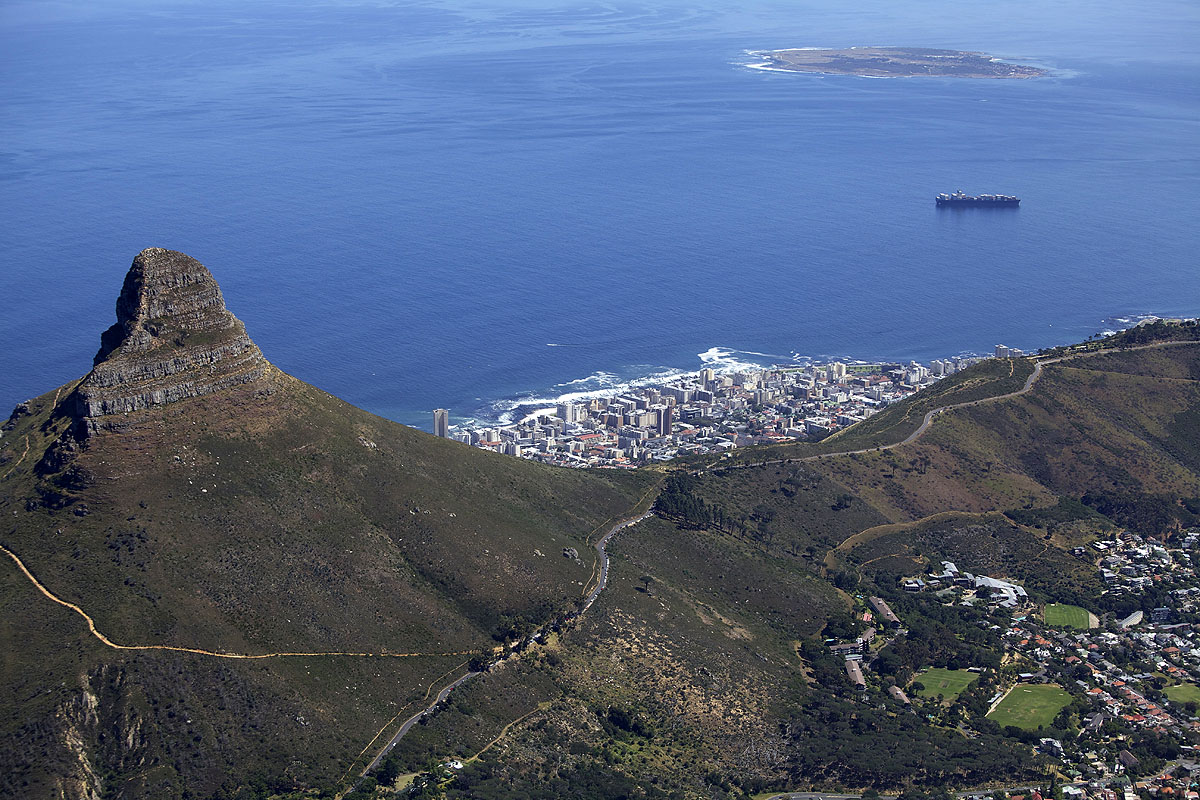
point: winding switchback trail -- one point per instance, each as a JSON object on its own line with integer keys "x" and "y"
{"x": 443, "y": 693}
{"x": 600, "y": 547}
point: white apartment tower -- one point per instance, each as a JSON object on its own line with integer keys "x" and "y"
{"x": 568, "y": 412}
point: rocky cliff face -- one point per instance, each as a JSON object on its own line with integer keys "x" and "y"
{"x": 173, "y": 339}
{"x": 72, "y": 752}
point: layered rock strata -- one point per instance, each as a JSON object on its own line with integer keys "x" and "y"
{"x": 173, "y": 339}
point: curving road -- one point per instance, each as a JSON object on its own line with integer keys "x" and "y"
{"x": 601, "y": 549}
{"x": 602, "y": 544}
{"x": 415, "y": 718}
{"x": 912, "y": 437}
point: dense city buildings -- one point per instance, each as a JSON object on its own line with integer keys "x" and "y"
{"x": 707, "y": 411}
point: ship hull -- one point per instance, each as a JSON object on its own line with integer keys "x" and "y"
{"x": 978, "y": 203}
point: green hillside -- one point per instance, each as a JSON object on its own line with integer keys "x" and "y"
{"x": 1005, "y": 504}
{"x": 268, "y": 517}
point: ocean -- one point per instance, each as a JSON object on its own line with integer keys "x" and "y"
{"x": 470, "y": 204}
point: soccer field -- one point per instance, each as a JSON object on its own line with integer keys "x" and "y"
{"x": 1064, "y": 616}
{"x": 949, "y": 683}
{"x": 1030, "y": 706}
{"x": 1183, "y": 693}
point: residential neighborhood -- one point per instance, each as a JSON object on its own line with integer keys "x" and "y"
{"x": 1111, "y": 699}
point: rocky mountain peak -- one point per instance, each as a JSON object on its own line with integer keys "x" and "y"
{"x": 173, "y": 339}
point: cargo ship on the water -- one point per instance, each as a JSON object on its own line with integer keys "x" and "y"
{"x": 987, "y": 200}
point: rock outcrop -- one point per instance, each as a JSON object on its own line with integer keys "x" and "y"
{"x": 173, "y": 339}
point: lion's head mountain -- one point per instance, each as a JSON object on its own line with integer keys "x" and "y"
{"x": 187, "y": 493}
{"x": 173, "y": 339}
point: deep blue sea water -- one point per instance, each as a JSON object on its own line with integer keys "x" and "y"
{"x": 422, "y": 204}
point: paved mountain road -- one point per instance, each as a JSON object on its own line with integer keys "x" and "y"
{"x": 602, "y": 549}
{"x": 415, "y": 718}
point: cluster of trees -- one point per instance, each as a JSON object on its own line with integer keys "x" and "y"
{"x": 1153, "y": 751}
{"x": 679, "y": 502}
{"x": 512, "y": 626}
{"x": 274, "y": 788}
{"x": 974, "y": 701}
{"x": 843, "y": 626}
{"x": 1068, "y": 509}
{"x": 1122, "y": 605}
{"x": 618, "y": 722}
{"x": 827, "y": 673}
{"x": 844, "y": 742}
{"x": 799, "y": 480}
{"x": 1148, "y": 514}
{"x": 939, "y": 636}
{"x": 586, "y": 780}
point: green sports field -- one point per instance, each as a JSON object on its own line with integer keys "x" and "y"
{"x": 1030, "y": 706}
{"x": 949, "y": 683}
{"x": 1183, "y": 693}
{"x": 1064, "y": 616}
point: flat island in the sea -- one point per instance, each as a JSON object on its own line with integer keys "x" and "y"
{"x": 896, "y": 62}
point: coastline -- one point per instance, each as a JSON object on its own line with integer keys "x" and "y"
{"x": 710, "y": 412}
{"x": 490, "y": 409}
{"x": 714, "y": 412}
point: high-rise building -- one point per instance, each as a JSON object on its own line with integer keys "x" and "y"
{"x": 441, "y": 423}
{"x": 568, "y": 412}
{"x": 664, "y": 420}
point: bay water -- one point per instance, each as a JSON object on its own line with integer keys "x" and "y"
{"x": 471, "y": 204}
